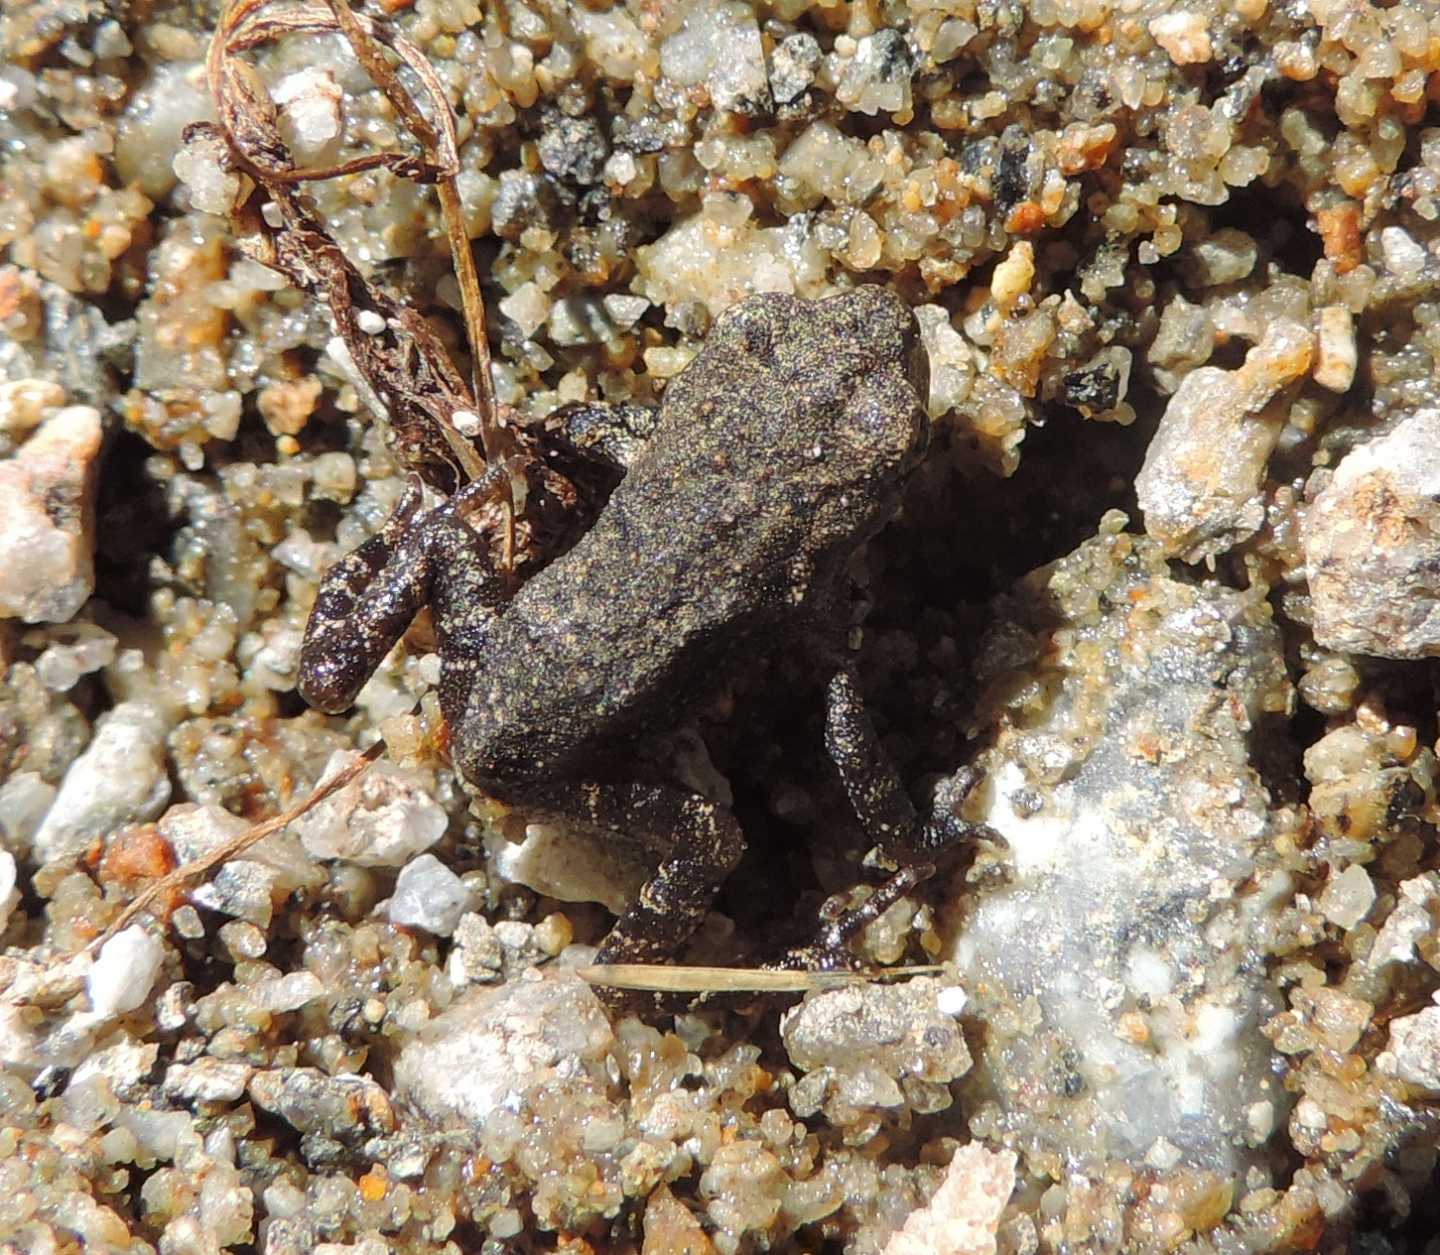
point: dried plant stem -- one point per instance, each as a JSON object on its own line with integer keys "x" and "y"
{"x": 647, "y": 978}
{"x": 249, "y": 127}
{"x": 372, "y": 59}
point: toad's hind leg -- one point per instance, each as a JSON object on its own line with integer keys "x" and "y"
{"x": 876, "y": 791}
{"x": 889, "y": 818}
{"x": 699, "y": 843}
{"x": 368, "y": 598}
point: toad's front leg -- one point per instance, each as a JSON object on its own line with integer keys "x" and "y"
{"x": 368, "y": 598}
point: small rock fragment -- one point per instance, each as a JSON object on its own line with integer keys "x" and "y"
{"x": 1372, "y": 546}
{"x": 286, "y": 406}
{"x": 477, "y": 956}
{"x": 1013, "y": 275}
{"x": 346, "y": 1107}
{"x": 571, "y": 867}
{"x": 159, "y": 1134}
{"x": 1339, "y": 230}
{"x": 1335, "y": 353}
{"x": 963, "y": 1215}
{"x": 24, "y": 403}
{"x": 742, "y": 1185}
{"x": 527, "y": 307}
{"x": 428, "y": 895}
{"x": 614, "y": 43}
{"x": 47, "y": 509}
{"x": 383, "y": 819}
{"x": 1339, "y": 1020}
{"x": 309, "y": 103}
{"x": 1414, "y": 1053}
{"x": 719, "y": 256}
{"x": 1112, "y": 966}
{"x": 577, "y": 320}
{"x": 1348, "y": 897}
{"x": 877, "y": 78}
{"x": 202, "y": 167}
{"x": 248, "y": 887}
{"x": 87, "y": 650}
{"x": 119, "y": 779}
{"x": 1225, "y": 256}
{"x": 1404, "y": 255}
{"x": 124, "y": 972}
{"x": 1184, "y": 37}
{"x": 1098, "y": 388}
{"x": 572, "y": 150}
{"x": 125, "y": 1066}
{"x": 207, "y": 1080}
{"x": 289, "y": 992}
{"x": 624, "y": 310}
{"x": 8, "y": 896}
{"x": 20, "y": 1039}
{"x": 792, "y": 66}
{"x": 952, "y": 362}
{"x": 24, "y": 800}
{"x": 1416, "y": 915}
{"x": 175, "y": 1006}
{"x": 165, "y": 99}
{"x": 1200, "y": 486}
{"x": 874, "y": 1046}
{"x": 671, "y": 1227}
{"x": 718, "y": 44}
{"x": 520, "y": 948}
{"x": 495, "y": 1046}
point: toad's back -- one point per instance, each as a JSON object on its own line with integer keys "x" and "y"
{"x": 780, "y": 448}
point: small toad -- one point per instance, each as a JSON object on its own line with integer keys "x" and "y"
{"x": 779, "y": 449}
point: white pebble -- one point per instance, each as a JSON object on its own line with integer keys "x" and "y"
{"x": 1335, "y": 354}
{"x": 1260, "y": 1117}
{"x": 1403, "y": 255}
{"x": 200, "y": 165}
{"x": 24, "y": 403}
{"x": 47, "y": 494}
{"x": 24, "y": 800}
{"x": 1414, "y": 1054}
{"x": 1163, "y": 1155}
{"x": 527, "y": 307}
{"x": 951, "y": 1000}
{"x": 1347, "y": 897}
{"x": 287, "y": 993}
{"x": 371, "y": 323}
{"x": 429, "y": 895}
{"x": 383, "y": 819}
{"x": 7, "y": 886}
{"x": 625, "y": 310}
{"x": 467, "y": 422}
{"x": 309, "y": 102}
{"x": 124, "y": 973}
{"x": 120, "y": 778}
{"x": 1183, "y": 36}
{"x": 718, "y": 44}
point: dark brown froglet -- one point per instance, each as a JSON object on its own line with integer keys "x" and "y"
{"x": 779, "y": 449}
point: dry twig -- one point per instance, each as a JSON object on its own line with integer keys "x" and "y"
{"x": 404, "y": 366}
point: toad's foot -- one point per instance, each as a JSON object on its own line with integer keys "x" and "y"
{"x": 830, "y": 951}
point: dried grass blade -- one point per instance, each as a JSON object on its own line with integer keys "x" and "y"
{"x": 661, "y": 978}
